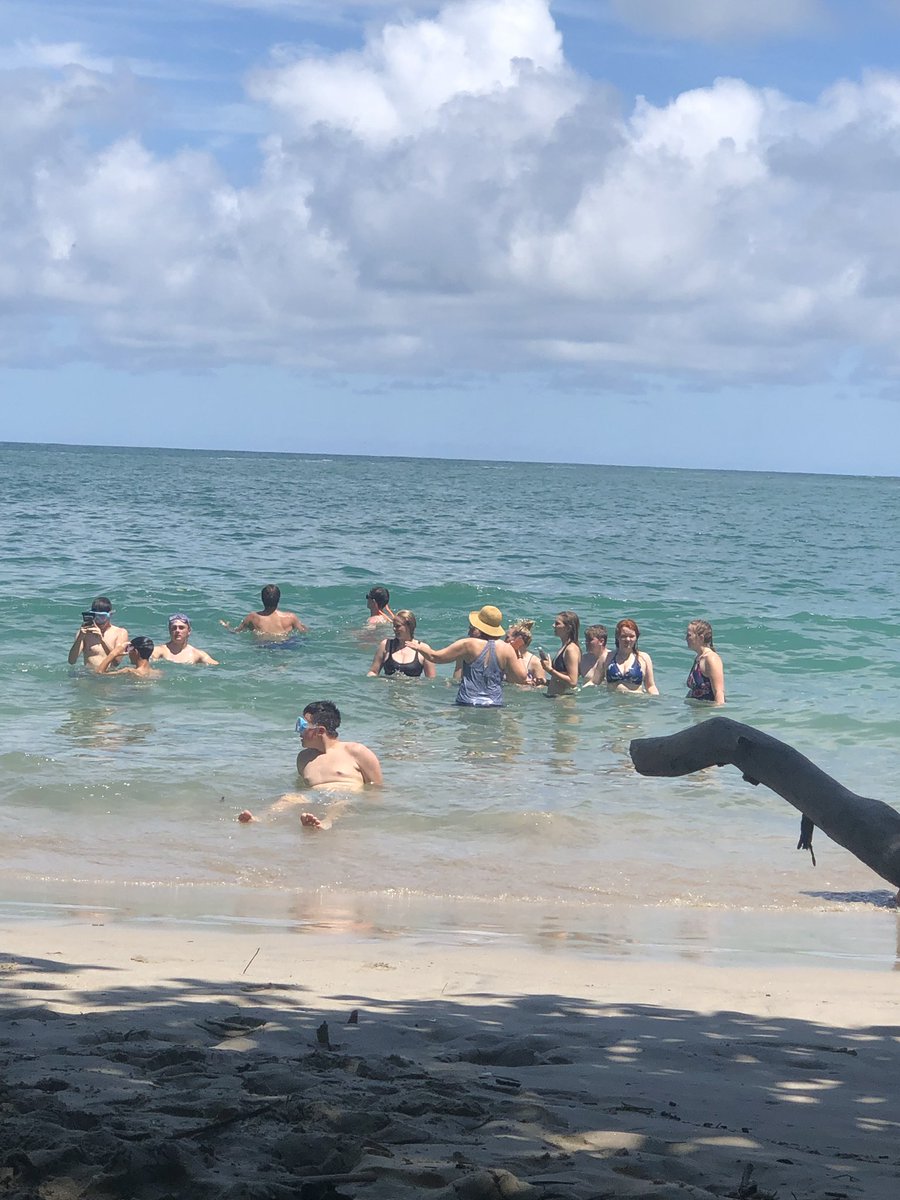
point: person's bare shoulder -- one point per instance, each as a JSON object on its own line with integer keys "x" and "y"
{"x": 366, "y": 760}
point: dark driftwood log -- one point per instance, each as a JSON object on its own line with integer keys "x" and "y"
{"x": 870, "y": 829}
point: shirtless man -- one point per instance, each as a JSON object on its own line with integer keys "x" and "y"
{"x": 327, "y": 763}
{"x": 593, "y": 661}
{"x": 271, "y": 621}
{"x": 176, "y": 649}
{"x": 97, "y": 636}
{"x": 138, "y": 650}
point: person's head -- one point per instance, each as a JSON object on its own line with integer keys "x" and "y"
{"x": 519, "y": 634}
{"x": 702, "y": 632}
{"x": 321, "y": 714}
{"x": 566, "y": 626}
{"x": 270, "y": 594}
{"x": 141, "y": 646}
{"x": 487, "y": 622}
{"x": 404, "y": 623}
{"x": 179, "y": 626}
{"x": 630, "y": 630}
{"x": 595, "y": 638}
{"x": 101, "y": 607}
{"x": 377, "y": 597}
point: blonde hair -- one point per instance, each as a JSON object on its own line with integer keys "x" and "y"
{"x": 703, "y": 630}
{"x": 523, "y": 628}
{"x": 408, "y": 618}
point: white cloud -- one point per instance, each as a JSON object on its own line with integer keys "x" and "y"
{"x": 715, "y": 20}
{"x": 451, "y": 197}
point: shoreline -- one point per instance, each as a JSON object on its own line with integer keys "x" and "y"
{"x": 152, "y": 1060}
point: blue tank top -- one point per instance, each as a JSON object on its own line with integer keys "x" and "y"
{"x": 481, "y": 685}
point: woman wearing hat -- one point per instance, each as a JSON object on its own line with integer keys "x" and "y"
{"x": 485, "y": 659}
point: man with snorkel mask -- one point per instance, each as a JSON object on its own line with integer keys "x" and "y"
{"x": 98, "y": 637}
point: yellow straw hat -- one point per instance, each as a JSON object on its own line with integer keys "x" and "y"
{"x": 488, "y": 620}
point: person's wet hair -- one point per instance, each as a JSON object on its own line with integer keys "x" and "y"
{"x": 627, "y": 623}
{"x": 324, "y": 713}
{"x": 703, "y": 629}
{"x": 380, "y": 595}
{"x": 408, "y": 618}
{"x": 271, "y": 594}
{"x": 143, "y": 646}
{"x": 101, "y": 604}
{"x": 570, "y": 624}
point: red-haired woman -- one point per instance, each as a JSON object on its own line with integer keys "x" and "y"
{"x": 630, "y": 669}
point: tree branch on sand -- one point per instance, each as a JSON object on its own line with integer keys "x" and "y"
{"x": 868, "y": 828}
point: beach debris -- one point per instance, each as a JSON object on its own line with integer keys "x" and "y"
{"x": 748, "y": 1190}
{"x": 353, "y": 1019}
{"x": 868, "y": 828}
{"x": 493, "y": 1184}
{"x": 234, "y": 1025}
{"x": 255, "y": 952}
{"x": 322, "y": 1035}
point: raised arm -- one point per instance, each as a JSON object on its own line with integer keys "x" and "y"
{"x": 77, "y": 646}
{"x": 572, "y": 658}
{"x": 247, "y": 623}
{"x": 297, "y": 624}
{"x": 458, "y": 649}
{"x": 113, "y": 657}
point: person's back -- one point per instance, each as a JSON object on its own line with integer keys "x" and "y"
{"x": 481, "y": 685}
{"x": 270, "y": 621}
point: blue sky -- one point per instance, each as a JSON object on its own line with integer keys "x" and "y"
{"x": 632, "y": 231}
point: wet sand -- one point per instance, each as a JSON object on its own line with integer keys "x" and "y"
{"x": 161, "y": 1061}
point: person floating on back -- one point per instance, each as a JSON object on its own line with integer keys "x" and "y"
{"x": 270, "y": 621}
{"x": 97, "y": 636}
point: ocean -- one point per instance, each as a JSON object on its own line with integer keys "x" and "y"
{"x": 119, "y": 798}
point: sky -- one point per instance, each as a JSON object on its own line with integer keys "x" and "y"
{"x": 641, "y": 232}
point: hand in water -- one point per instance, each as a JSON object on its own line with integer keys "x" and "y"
{"x": 311, "y": 821}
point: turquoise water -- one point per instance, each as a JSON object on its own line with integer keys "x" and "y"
{"x": 124, "y": 795}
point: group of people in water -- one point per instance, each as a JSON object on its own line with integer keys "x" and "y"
{"x": 488, "y": 657}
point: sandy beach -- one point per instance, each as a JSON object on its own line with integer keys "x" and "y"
{"x": 161, "y": 1061}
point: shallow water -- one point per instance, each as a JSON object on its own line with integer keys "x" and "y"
{"x": 125, "y": 793}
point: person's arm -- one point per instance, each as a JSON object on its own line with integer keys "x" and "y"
{"x": 649, "y": 681}
{"x": 511, "y": 663}
{"x": 715, "y": 673}
{"x": 378, "y": 660}
{"x": 429, "y": 670}
{"x": 449, "y": 653}
{"x": 597, "y": 674}
{"x": 367, "y": 763}
{"x": 77, "y": 646}
{"x": 536, "y": 667}
{"x": 206, "y": 659}
{"x": 247, "y": 623}
{"x": 297, "y": 624}
{"x": 571, "y": 657}
{"x": 112, "y": 658}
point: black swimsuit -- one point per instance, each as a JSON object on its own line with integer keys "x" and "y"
{"x": 390, "y": 667}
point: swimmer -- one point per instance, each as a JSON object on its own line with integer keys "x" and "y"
{"x": 378, "y": 603}
{"x": 519, "y": 637}
{"x": 138, "y": 650}
{"x": 395, "y": 656}
{"x": 629, "y": 669}
{"x": 327, "y": 764}
{"x": 563, "y": 670}
{"x": 177, "y": 649}
{"x": 97, "y": 637}
{"x": 706, "y": 680}
{"x": 593, "y": 661}
{"x": 271, "y": 621}
{"x": 484, "y": 656}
